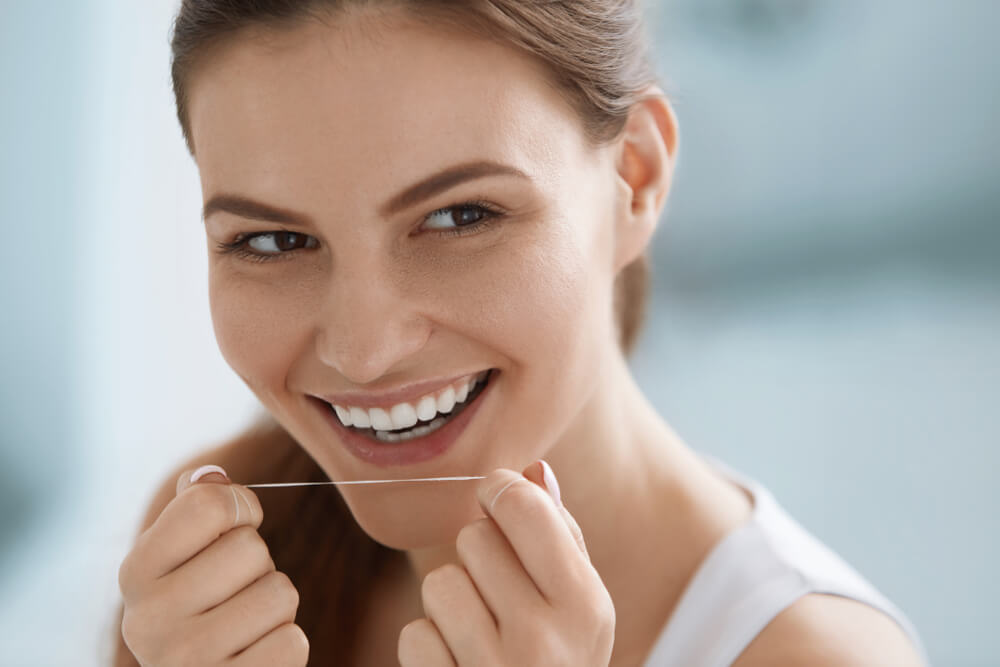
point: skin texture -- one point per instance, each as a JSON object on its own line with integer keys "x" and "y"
{"x": 329, "y": 121}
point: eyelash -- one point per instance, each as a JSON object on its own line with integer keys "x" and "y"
{"x": 238, "y": 246}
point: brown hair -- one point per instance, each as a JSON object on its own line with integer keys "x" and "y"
{"x": 595, "y": 51}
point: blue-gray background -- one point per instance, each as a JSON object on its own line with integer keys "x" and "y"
{"x": 824, "y": 318}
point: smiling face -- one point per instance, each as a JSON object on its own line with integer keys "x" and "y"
{"x": 359, "y": 291}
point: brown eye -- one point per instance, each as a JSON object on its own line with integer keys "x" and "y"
{"x": 456, "y": 216}
{"x": 467, "y": 215}
{"x": 273, "y": 243}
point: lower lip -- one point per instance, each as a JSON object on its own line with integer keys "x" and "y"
{"x": 408, "y": 452}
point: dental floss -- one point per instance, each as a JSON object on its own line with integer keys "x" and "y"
{"x": 237, "y": 503}
{"x": 367, "y": 481}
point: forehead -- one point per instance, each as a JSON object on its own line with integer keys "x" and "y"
{"x": 288, "y": 113}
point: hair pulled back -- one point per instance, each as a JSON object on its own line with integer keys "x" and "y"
{"x": 596, "y": 53}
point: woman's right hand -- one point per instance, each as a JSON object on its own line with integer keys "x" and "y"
{"x": 200, "y": 588}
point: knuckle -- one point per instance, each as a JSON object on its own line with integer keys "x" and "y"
{"x": 414, "y": 635}
{"x": 133, "y": 577}
{"x": 142, "y": 621}
{"x": 473, "y": 537}
{"x": 125, "y": 577}
{"x": 439, "y": 583}
{"x": 599, "y": 613}
{"x": 610, "y": 616}
{"x": 291, "y": 595}
{"x": 521, "y": 499}
{"x": 294, "y": 645}
{"x": 252, "y": 547}
{"x": 133, "y": 629}
{"x": 282, "y": 589}
{"x": 604, "y": 633}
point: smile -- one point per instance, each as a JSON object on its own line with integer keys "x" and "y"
{"x": 410, "y": 432}
{"x": 405, "y": 421}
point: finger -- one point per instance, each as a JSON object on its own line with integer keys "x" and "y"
{"x": 497, "y": 573}
{"x": 453, "y": 604}
{"x": 541, "y": 474}
{"x": 537, "y": 532}
{"x": 285, "y": 646}
{"x": 208, "y": 473}
{"x": 264, "y": 605}
{"x": 225, "y": 567}
{"x": 190, "y": 522}
{"x": 421, "y": 645}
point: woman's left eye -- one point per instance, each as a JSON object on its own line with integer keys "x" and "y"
{"x": 461, "y": 218}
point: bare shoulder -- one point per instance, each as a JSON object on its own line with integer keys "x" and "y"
{"x": 830, "y": 631}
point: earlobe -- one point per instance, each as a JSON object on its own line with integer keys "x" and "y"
{"x": 645, "y": 164}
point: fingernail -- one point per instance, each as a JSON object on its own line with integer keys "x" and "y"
{"x": 204, "y": 470}
{"x": 551, "y": 485}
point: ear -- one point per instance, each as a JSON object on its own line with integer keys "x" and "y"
{"x": 646, "y": 155}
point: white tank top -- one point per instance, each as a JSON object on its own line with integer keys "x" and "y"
{"x": 752, "y": 574}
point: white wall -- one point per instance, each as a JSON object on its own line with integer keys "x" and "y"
{"x": 147, "y": 384}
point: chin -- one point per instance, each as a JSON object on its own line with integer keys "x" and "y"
{"x": 414, "y": 516}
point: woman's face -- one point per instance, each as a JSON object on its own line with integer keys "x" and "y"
{"x": 353, "y": 291}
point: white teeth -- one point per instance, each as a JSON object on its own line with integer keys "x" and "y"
{"x": 403, "y": 415}
{"x": 420, "y": 431}
{"x": 426, "y": 408}
{"x": 359, "y": 418}
{"x": 446, "y": 401}
{"x": 380, "y": 419}
{"x": 343, "y": 415}
{"x": 387, "y": 436}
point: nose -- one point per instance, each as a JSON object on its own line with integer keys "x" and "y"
{"x": 368, "y": 326}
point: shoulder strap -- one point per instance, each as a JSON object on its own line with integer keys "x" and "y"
{"x": 748, "y": 578}
{"x": 730, "y": 599}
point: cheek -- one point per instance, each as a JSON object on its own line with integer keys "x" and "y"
{"x": 258, "y": 329}
{"x": 519, "y": 294}
{"x": 537, "y": 302}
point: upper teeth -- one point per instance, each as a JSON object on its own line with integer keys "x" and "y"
{"x": 405, "y": 415}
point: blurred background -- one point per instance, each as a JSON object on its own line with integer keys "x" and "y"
{"x": 825, "y": 313}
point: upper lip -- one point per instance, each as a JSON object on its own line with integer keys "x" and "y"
{"x": 406, "y": 394}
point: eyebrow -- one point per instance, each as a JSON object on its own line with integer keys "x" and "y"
{"x": 446, "y": 179}
{"x": 253, "y": 210}
{"x": 411, "y": 196}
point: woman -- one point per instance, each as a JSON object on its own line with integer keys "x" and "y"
{"x": 427, "y": 225}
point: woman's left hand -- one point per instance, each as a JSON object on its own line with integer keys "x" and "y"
{"x": 525, "y": 593}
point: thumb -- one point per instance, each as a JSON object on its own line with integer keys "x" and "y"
{"x": 541, "y": 474}
{"x": 209, "y": 473}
